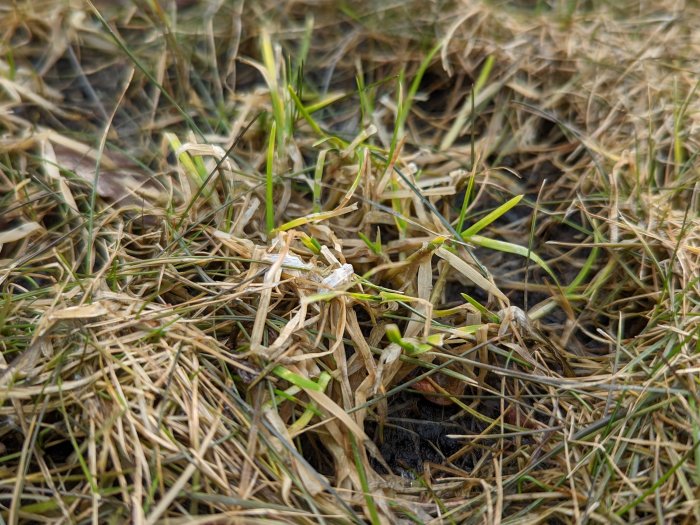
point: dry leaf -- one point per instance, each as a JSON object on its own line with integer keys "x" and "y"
{"x": 79, "y": 312}
{"x": 19, "y": 232}
{"x": 470, "y": 273}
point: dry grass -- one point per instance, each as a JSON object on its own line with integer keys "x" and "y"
{"x": 262, "y": 262}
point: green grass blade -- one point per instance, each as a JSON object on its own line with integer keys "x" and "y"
{"x": 376, "y": 246}
{"x": 271, "y": 69}
{"x": 481, "y": 308}
{"x": 415, "y": 84}
{"x": 507, "y": 247}
{"x": 269, "y": 194}
{"x": 465, "y": 202}
{"x": 304, "y": 112}
{"x": 484, "y": 75}
{"x": 368, "y": 493}
{"x": 315, "y": 217}
{"x": 296, "y": 379}
{"x": 404, "y": 103}
{"x": 495, "y": 214}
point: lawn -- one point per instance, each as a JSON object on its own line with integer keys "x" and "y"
{"x": 320, "y": 261}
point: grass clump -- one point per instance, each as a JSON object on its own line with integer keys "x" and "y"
{"x": 303, "y": 264}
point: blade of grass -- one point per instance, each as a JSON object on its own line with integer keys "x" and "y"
{"x": 120, "y": 43}
{"x": 507, "y": 247}
{"x": 313, "y": 218}
{"x": 466, "y": 201}
{"x": 318, "y": 180}
{"x": 368, "y": 494}
{"x": 268, "y": 56}
{"x": 296, "y": 379}
{"x": 405, "y": 108}
{"x": 467, "y": 109}
{"x": 492, "y": 216}
{"x": 269, "y": 183}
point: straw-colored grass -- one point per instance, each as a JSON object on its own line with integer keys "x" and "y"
{"x": 327, "y": 262}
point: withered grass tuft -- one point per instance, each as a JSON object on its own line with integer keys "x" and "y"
{"x": 324, "y": 262}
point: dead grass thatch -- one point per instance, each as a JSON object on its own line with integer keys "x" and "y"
{"x": 301, "y": 262}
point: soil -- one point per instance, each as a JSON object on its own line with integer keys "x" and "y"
{"x": 417, "y": 432}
